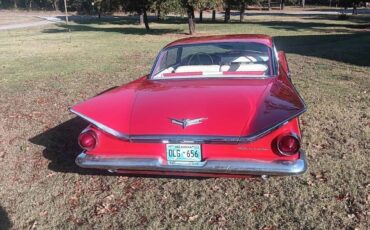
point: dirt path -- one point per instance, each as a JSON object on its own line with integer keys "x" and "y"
{"x": 41, "y": 22}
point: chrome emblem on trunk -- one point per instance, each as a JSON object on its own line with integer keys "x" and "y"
{"x": 187, "y": 122}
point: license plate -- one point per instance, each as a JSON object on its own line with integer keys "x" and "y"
{"x": 183, "y": 154}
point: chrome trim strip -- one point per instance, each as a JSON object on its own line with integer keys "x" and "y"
{"x": 186, "y": 138}
{"x": 248, "y": 167}
{"x": 269, "y": 130}
{"x": 101, "y": 126}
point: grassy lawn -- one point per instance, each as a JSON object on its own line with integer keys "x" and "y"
{"x": 45, "y": 70}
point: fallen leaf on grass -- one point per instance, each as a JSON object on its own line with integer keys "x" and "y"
{"x": 268, "y": 195}
{"x": 319, "y": 176}
{"x": 73, "y": 201}
{"x": 34, "y": 224}
{"x": 50, "y": 175}
{"x": 76, "y": 220}
{"x": 122, "y": 179}
{"x": 341, "y": 197}
{"x": 107, "y": 206}
{"x": 44, "y": 213}
{"x": 105, "y": 209}
{"x": 219, "y": 219}
{"x": 109, "y": 198}
{"x": 351, "y": 216}
{"x": 269, "y": 228}
{"x": 310, "y": 182}
{"x": 192, "y": 218}
{"x": 358, "y": 228}
{"x": 136, "y": 185}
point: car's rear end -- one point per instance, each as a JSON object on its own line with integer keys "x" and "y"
{"x": 227, "y": 110}
{"x": 278, "y": 153}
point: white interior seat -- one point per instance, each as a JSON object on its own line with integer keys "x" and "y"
{"x": 243, "y": 67}
{"x": 197, "y": 68}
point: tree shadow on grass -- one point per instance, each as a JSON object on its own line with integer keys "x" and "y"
{"x": 108, "y": 19}
{"x": 359, "y": 19}
{"x": 4, "y": 220}
{"x": 122, "y": 20}
{"x": 329, "y": 24}
{"x": 91, "y": 23}
{"x": 122, "y": 30}
{"x": 347, "y": 48}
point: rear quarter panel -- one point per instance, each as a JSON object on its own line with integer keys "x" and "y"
{"x": 261, "y": 149}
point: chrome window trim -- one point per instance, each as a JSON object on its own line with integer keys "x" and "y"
{"x": 150, "y": 75}
{"x": 275, "y": 60}
{"x": 262, "y": 77}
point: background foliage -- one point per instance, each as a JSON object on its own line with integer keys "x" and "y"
{"x": 165, "y": 6}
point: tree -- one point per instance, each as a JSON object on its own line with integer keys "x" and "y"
{"x": 141, "y": 7}
{"x": 348, "y": 3}
{"x": 207, "y": 4}
{"x": 190, "y": 5}
{"x": 55, "y": 5}
{"x": 282, "y": 3}
{"x": 227, "y": 8}
{"x": 242, "y": 11}
{"x": 237, "y": 4}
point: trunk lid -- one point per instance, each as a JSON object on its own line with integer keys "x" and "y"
{"x": 224, "y": 107}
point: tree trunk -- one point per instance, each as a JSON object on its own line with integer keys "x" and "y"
{"x": 354, "y": 10}
{"x": 190, "y": 12}
{"x": 227, "y": 14}
{"x": 269, "y": 4}
{"x": 159, "y": 16}
{"x": 304, "y": 3}
{"x": 109, "y": 3}
{"x": 141, "y": 17}
{"x": 66, "y": 11}
{"x": 55, "y": 4}
{"x": 242, "y": 11}
{"x": 15, "y": 4}
{"x": 282, "y": 4}
{"x": 146, "y": 21}
{"x": 30, "y": 5}
{"x": 200, "y": 15}
{"x": 213, "y": 15}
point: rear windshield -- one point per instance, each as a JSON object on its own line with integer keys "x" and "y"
{"x": 224, "y": 59}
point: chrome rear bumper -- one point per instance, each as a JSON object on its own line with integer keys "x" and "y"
{"x": 245, "y": 167}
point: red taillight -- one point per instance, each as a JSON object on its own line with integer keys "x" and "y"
{"x": 87, "y": 140}
{"x": 288, "y": 144}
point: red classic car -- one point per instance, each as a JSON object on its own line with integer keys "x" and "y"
{"x": 211, "y": 106}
